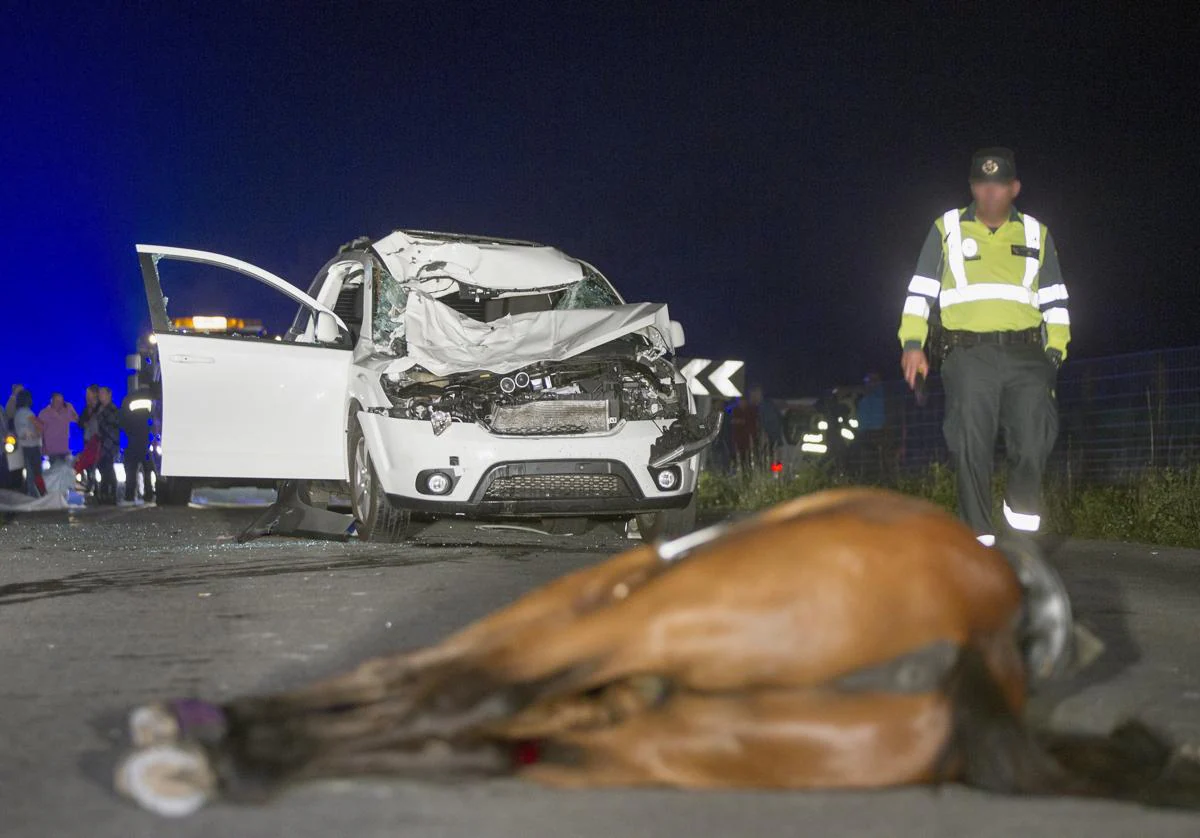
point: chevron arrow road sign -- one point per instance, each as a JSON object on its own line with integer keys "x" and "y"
{"x": 706, "y": 377}
{"x": 692, "y": 369}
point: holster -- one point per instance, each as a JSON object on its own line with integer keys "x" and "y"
{"x": 936, "y": 346}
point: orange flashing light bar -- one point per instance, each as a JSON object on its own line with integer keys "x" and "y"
{"x": 217, "y": 323}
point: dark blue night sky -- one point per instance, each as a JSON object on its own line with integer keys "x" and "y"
{"x": 767, "y": 169}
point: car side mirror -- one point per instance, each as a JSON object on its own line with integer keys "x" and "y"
{"x": 327, "y": 328}
{"x": 677, "y": 336}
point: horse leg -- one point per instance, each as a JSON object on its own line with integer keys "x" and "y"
{"x": 462, "y": 749}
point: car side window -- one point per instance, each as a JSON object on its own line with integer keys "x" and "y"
{"x": 198, "y": 292}
{"x": 340, "y": 286}
{"x": 350, "y": 300}
{"x": 213, "y": 300}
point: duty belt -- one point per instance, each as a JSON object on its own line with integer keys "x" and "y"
{"x": 968, "y": 339}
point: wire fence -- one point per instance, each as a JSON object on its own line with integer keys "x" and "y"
{"x": 1118, "y": 416}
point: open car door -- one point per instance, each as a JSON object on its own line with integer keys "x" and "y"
{"x": 246, "y": 406}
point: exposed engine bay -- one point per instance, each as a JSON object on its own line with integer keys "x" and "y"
{"x": 523, "y": 341}
{"x": 590, "y": 393}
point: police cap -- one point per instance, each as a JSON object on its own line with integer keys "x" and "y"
{"x": 993, "y": 164}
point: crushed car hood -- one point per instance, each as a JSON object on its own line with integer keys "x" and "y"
{"x": 494, "y": 266}
{"x": 444, "y": 342}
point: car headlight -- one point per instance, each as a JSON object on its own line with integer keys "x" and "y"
{"x": 667, "y": 479}
{"x": 439, "y": 483}
{"x": 435, "y": 482}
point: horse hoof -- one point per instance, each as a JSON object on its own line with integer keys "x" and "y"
{"x": 166, "y": 779}
{"x": 153, "y": 724}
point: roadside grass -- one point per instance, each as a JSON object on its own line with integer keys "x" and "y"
{"x": 1158, "y": 506}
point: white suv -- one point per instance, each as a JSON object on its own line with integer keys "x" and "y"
{"x": 444, "y": 374}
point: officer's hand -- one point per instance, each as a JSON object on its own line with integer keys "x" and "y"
{"x": 914, "y": 363}
{"x": 1055, "y": 358}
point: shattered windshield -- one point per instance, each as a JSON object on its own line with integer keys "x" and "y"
{"x": 391, "y": 296}
{"x": 387, "y": 323}
{"x": 593, "y": 291}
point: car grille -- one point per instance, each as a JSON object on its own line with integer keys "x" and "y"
{"x": 542, "y": 486}
{"x": 544, "y": 418}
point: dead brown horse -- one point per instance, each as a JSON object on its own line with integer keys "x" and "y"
{"x": 850, "y": 639}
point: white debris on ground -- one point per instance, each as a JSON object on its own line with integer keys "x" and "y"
{"x": 19, "y": 502}
{"x": 511, "y": 528}
{"x": 11, "y": 501}
{"x": 59, "y": 480}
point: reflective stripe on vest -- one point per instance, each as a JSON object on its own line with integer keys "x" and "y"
{"x": 1052, "y": 294}
{"x": 1033, "y": 240}
{"x": 916, "y": 305}
{"x": 988, "y": 291}
{"x": 954, "y": 254}
{"x": 1057, "y": 316}
{"x": 926, "y": 286}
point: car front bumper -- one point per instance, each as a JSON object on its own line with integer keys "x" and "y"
{"x": 594, "y": 474}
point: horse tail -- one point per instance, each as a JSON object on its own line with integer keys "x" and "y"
{"x": 991, "y": 748}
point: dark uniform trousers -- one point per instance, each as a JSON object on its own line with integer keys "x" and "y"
{"x": 1006, "y": 388}
{"x": 137, "y": 460}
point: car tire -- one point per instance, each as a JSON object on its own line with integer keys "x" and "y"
{"x": 378, "y": 519}
{"x": 668, "y": 523}
{"x": 173, "y": 491}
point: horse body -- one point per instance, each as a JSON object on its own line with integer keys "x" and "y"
{"x": 760, "y": 637}
{"x": 850, "y": 639}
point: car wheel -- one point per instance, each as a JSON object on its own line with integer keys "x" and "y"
{"x": 668, "y": 524}
{"x": 378, "y": 519}
{"x": 173, "y": 491}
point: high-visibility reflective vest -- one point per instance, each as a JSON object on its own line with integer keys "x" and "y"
{"x": 136, "y": 411}
{"x": 987, "y": 280}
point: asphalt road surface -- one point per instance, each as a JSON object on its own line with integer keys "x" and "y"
{"x": 113, "y": 609}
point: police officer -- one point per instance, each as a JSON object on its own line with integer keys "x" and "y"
{"x": 994, "y": 273}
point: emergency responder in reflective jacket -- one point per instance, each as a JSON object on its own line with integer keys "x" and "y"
{"x": 994, "y": 272}
{"x": 135, "y": 421}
